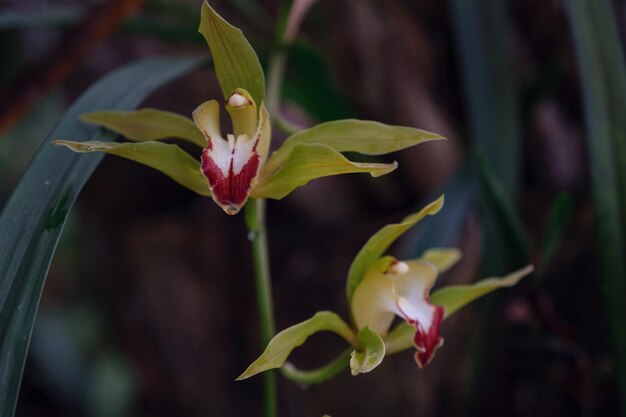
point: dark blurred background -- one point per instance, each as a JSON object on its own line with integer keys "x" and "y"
{"x": 149, "y": 308}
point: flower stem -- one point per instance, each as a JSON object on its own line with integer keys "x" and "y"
{"x": 275, "y": 82}
{"x": 255, "y": 220}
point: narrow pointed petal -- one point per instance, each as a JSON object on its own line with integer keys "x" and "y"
{"x": 230, "y": 165}
{"x": 379, "y": 242}
{"x": 236, "y": 63}
{"x": 401, "y": 290}
{"x": 146, "y": 124}
{"x": 362, "y": 136}
{"x": 442, "y": 258}
{"x": 308, "y": 162}
{"x": 281, "y": 345}
{"x": 168, "y": 159}
{"x": 452, "y": 299}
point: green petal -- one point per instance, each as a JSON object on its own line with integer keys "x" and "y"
{"x": 442, "y": 258}
{"x": 378, "y": 244}
{"x": 283, "y": 343}
{"x": 169, "y": 159}
{"x": 370, "y": 353}
{"x": 147, "y": 124}
{"x": 236, "y": 63}
{"x": 307, "y": 162}
{"x": 362, "y": 136}
{"x": 452, "y": 298}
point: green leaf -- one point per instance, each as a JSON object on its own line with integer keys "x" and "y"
{"x": 362, "y": 136}
{"x": 147, "y": 124}
{"x": 370, "y": 352}
{"x": 560, "y": 215}
{"x": 33, "y": 218}
{"x": 308, "y": 162}
{"x": 168, "y": 159}
{"x": 452, "y": 299}
{"x": 481, "y": 32}
{"x": 490, "y": 85}
{"x": 514, "y": 238}
{"x": 236, "y": 63}
{"x": 442, "y": 258}
{"x": 283, "y": 343}
{"x": 378, "y": 244}
{"x": 600, "y": 58}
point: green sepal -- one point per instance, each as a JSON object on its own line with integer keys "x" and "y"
{"x": 452, "y": 299}
{"x": 378, "y": 244}
{"x": 147, "y": 124}
{"x": 236, "y": 63}
{"x": 168, "y": 159}
{"x": 370, "y": 351}
{"x": 307, "y": 162}
{"x": 442, "y": 258}
{"x": 283, "y": 343}
{"x": 351, "y": 135}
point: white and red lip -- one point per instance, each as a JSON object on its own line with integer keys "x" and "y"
{"x": 403, "y": 290}
{"x": 230, "y": 165}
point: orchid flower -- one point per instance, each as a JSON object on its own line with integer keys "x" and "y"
{"x": 233, "y": 167}
{"x": 379, "y": 288}
{"x": 401, "y": 289}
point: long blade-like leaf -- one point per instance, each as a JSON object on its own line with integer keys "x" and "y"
{"x": 33, "y": 218}
{"x": 601, "y": 63}
{"x": 482, "y": 43}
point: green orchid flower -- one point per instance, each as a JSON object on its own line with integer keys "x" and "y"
{"x": 234, "y": 167}
{"x": 379, "y": 288}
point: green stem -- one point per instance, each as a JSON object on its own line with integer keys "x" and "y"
{"x": 319, "y": 375}
{"x": 274, "y": 84}
{"x": 255, "y": 220}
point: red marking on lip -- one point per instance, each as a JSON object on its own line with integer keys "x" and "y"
{"x": 427, "y": 341}
{"x": 209, "y": 142}
{"x": 233, "y": 189}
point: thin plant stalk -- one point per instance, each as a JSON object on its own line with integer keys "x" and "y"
{"x": 255, "y": 220}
